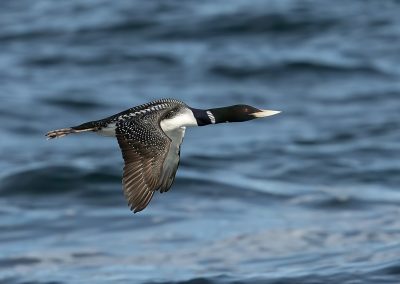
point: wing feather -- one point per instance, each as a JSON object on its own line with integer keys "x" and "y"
{"x": 151, "y": 158}
{"x": 149, "y": 163}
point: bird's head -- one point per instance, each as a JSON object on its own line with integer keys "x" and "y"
{"x": 238, "y": 113}
{"x": 235, "y": 113}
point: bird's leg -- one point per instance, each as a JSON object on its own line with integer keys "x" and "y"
{"x": 58, "y": 133}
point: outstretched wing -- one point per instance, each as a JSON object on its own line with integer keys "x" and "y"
{"x": 151, "y": 159}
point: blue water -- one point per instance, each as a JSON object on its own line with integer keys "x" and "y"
{"x": 309, "y": 196}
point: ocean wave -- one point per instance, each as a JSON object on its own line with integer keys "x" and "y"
{"x": 364, "y": 98}
{"x": 255, "y": 22}
{"x": 11, "y": 262}
{"x": 28, "y": 35}
{"x": 54, "y": 180}
{"x": 326, "y": 170}
{"x": 100, "y": 183}
{"x": 330, "y": 201}
{"x": 298, "y": 66}
{"x": 243, "y": 23}
{"x": 393, "y": 268}
{"x": 75, "y": 104}
{"x": 343, "y": 278}
{"x": 213, "y": 187}
{"x": 129, "y": 25}
{"x": 101, "y": 60}
{"x": 188, "y": 25}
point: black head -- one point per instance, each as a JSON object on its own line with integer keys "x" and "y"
{"x": 235, "y": 113}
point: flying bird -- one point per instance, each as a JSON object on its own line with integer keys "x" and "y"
{"x": 150, "y": 137}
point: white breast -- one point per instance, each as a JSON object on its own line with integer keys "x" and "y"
{"x": 183, "y": 119}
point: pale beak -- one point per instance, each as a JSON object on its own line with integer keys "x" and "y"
{"x": 264, "y": 113}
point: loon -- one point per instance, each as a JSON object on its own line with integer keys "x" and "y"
{"x": 150, "y": 137}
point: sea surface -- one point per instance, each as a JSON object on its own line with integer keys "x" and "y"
{"x": 308, "y": 196}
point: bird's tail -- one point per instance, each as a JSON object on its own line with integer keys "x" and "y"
{"x": 58, "y": 133}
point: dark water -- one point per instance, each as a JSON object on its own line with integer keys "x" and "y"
{"x": 309, "y": 196}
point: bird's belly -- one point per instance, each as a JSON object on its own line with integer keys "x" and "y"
{"x": 109, "y": 130}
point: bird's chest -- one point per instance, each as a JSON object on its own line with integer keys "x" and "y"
{"x": 177, "y": 122}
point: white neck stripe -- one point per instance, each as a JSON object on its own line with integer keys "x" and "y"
{"x": 211, "y": 117}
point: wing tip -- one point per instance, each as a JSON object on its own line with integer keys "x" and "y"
{"x": 142, "y": 204}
